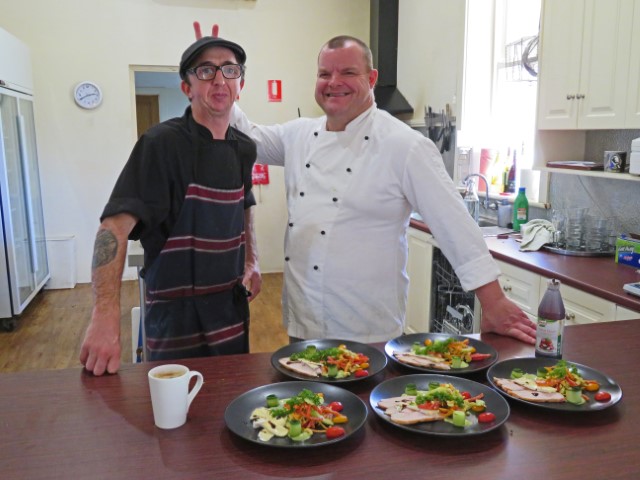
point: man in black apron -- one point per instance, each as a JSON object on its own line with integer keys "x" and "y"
{"x": 186, "y": 194}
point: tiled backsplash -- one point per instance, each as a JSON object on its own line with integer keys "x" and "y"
{"x": 608, "y": 197}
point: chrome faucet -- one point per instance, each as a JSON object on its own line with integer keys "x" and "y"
{"x": 486, "y": 184}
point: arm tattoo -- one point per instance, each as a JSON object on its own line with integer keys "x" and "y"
{"x": 104, "y": 249}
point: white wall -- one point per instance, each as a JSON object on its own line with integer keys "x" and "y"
{"x": 82, "y": 152}
{"x": 431, "y": 54}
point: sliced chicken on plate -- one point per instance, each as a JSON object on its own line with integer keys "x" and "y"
{"x": 425, "y": 361}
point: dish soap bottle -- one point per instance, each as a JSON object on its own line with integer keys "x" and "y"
{"x": 520, "y": 209}
{"x": 550, "y": 322}
{"x": 471, "y": 200}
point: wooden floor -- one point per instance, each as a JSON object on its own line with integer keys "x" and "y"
{"x": 48, "y": 335}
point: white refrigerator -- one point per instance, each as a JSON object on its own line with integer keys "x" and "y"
{"x": 23, "y": 256}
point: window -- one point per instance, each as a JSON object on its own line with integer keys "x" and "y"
{"x": 515, "y": 86}
{"x": 500, "y": 90}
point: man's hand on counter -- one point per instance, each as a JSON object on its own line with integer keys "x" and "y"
{"x": 100, "y": 351}
{"x": 500, "y": 315}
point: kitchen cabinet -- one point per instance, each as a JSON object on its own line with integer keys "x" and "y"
{"x": 419, "y": 267}
{"x": 586, "y": 56}
{"x": 526, "y": 290}
{"x": 521, "y": 287}
{"x": 581, "y": 307}
{"x": 626, "y": 314}
{"x": 633, "y": 95}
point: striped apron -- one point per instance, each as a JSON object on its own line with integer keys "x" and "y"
{"x": 196, "y": 304}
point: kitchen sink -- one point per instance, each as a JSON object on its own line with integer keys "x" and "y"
{"x": 494, "y": 231}
{"x": 490, "y": 228}
{"x": 486, "y": 223}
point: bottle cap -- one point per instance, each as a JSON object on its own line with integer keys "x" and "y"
{"x": 522, "y": 189}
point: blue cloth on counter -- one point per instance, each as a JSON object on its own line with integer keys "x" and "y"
{"x": 535, "y": 234}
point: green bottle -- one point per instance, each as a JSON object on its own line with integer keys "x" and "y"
{"x": 520, "y": 209}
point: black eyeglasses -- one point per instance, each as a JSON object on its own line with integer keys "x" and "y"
{"x": 208, "y": 72}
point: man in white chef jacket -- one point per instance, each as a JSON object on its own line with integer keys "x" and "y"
{"x": 352, "y": 178}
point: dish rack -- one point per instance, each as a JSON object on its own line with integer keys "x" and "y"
{"x": 453, "y": 307}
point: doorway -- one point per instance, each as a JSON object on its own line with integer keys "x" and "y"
{"x": 147, "y": 112}
{"x": 158, "y": 96}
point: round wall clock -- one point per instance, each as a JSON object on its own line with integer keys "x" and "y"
{"x": 87, "y": 95}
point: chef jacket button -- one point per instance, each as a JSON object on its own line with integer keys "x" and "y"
{"x": 349, "y": 170}
{"x": 335, "y": 199}
{"x": 291, "y": 224}
{"x": 315, "y": 267}
{"x": 302, "y": 194}
{"x": 286, "y": 259}
{"x": 315, "y": 134}
{"x": 366, "y": 137}
{"x": 323, "y": 232}
{"x": 308, "y": 165}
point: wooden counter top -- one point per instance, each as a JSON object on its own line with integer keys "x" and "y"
{"x": 68, "y": 424}
{"x": 599, "y": 276}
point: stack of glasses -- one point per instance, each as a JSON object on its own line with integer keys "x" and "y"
{"x": 597, "y": 233}
{"x": 576, "y": 229}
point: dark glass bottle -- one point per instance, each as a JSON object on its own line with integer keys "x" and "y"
{"x": 511, "y": 176}
{"x": 550, "y": 327}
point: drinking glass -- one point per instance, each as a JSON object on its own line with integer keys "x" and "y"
{"x": 558, "y": 218}
{"x": 597, "y": 232}
{"x": 574, "y": 228}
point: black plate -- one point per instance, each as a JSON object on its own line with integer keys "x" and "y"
{"x": 395, "y": 387}
{"x": 404, "y": 342}
{"x": 377, "y": 359}
{"x": 531, "y": 364}
{"x": 237, "y": 414}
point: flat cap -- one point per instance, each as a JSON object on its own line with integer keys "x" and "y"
{"x": 197, "y": 47}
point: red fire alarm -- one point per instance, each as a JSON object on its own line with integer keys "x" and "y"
{"x": 274, "y": 90}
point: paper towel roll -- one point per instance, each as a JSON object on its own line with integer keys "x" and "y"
{"x": 530, "y": 180}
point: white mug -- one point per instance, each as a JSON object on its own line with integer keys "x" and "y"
{"x": 170, "y": 395}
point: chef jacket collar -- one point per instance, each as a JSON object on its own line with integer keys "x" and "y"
{"x": 358, "y": 121}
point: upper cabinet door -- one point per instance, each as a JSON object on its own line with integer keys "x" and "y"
{"x": 604, "y": 71}
{"x": 633, "y": 94}
{"x": 560, "y": 56}
{"x": 584, "y": 64}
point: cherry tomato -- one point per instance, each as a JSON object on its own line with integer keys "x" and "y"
{"x": 465, "y": 395}
{"x": 478, "y": 357}
{"x": 486, "y": 417}
{"x": 361, "y": 373}
{"x": 340, "y": 419}
{"x": 429, "y": 405}
{"x": 335, "y": 406}
{"x": 591, "y": 386}
{"x": 334, "y": 432}
{"x": 602, "y": 396}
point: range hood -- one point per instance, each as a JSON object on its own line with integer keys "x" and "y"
{"x": 384, "y": 47}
